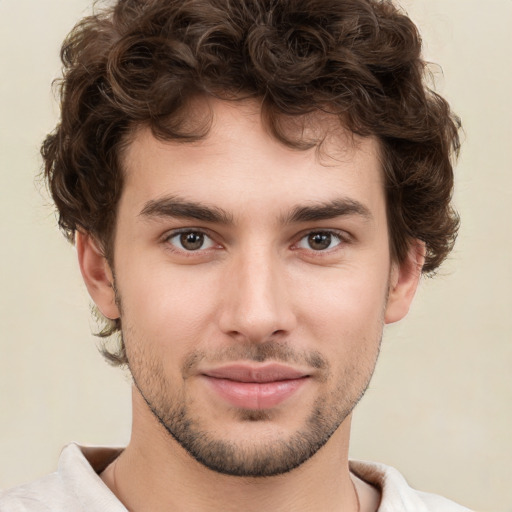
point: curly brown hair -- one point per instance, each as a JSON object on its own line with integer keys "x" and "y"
{"x": 143, "y": 61}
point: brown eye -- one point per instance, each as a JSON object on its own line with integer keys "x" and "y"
{"x": 191, "y": 241}
{"x": 320, "y": 241}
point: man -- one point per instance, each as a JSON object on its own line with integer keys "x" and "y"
{"x": 254, "y": 189}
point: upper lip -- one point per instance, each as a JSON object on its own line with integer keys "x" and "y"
{"x": 258, "y": 374}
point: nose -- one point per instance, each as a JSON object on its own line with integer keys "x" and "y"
{"x": 256, "y": 303}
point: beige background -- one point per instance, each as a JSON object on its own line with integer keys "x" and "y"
{"x": 440, "y": 405}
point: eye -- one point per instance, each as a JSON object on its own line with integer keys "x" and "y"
{"x": 320, "y": 241}
{"x": 191, "y": 241}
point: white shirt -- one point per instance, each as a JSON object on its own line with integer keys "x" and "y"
{"x": 77, "y": 487}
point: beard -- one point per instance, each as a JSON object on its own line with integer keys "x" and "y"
{"x": 261, "y": 455}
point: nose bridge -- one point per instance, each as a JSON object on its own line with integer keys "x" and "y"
{"x": 256, "y": 304}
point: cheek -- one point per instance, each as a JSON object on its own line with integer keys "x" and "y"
{"x": 346, "y": 309}
{"x": 170, "y": 309}
{"x": 348, "y": 331}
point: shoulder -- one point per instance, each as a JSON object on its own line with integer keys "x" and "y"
{"x": 34, "y": 496}
{"x": 397, "y": 495}
{"x": 74, "y": 487}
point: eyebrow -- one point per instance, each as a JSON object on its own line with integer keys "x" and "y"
{"x": 176, "y": 207}
{"x": 172, "y": 206}
{"x": 341, "y": 207}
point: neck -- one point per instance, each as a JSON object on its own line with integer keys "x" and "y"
{"x": 155, "y": 473}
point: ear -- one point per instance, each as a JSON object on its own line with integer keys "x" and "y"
{"x": 97, "y": 275}
{"x": 404, "y": 281}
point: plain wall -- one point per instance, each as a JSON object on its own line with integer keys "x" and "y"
{"x": 439, "y": 406}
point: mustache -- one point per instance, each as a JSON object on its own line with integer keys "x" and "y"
{"x": 256, "y": 352}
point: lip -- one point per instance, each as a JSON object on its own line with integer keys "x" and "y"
{"x": 255, "y": 387}
{"x": 257, "y": 374}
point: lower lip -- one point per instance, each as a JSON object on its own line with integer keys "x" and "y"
{"x": 253, "y": 395}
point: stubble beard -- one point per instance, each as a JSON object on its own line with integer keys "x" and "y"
{"x": 251, "y": 458}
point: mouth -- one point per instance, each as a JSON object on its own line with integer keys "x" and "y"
{"x": 255, "y": 387}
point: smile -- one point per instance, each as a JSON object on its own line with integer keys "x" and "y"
{"x": 255, "y": 388}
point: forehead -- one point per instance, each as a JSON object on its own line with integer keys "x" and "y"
{"x": 239, "y": 163}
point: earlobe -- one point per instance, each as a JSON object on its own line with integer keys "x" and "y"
{"x": 97, "y": 275}
{"x": 404, "y": 281}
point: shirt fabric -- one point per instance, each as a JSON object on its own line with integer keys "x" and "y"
{"x": 77, "y": 487}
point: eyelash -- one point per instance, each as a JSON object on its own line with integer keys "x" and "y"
{"x": 342, "y": 237}
{"x": 185, "y": 231}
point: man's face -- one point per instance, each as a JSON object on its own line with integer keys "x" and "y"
{"x": 252, "y": 282}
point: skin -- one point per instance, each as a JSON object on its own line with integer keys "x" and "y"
{"x": 270, "y": 282}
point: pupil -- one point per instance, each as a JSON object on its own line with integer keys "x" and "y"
{"x": 192, "y": 241}
{"x": 320, "y": 241}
